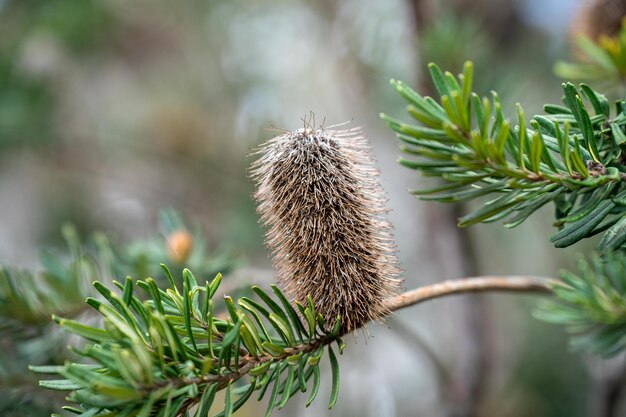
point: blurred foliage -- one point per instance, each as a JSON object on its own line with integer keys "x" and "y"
{"x": 592, "y": 304}
{"x": 440, "y": 42}
{"x": 28, "y": 300}
{"x": 567, "y": 156}
{"x": 27, "y": 98}
{"x": 179, "y": 246}
{"x": 602, "y": 62}
{"x": 27, "y": 334}
{"x": 25, "y": 105}
{"x": 81, "y": 26}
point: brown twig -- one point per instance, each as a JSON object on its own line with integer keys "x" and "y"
{"x": 468, "y": 285}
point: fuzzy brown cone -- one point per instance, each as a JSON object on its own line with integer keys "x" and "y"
{"x": 319, "y": 197}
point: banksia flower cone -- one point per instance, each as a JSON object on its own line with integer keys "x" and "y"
{"x": 319, "y": 196}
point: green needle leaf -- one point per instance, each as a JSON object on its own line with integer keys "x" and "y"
{"x": 334, "y": 366}
{"x": 272, "y": 401}
{"x": 228, "y": 402}
{"x": 291, "y": 376}
{"x": 293, "y": 316}
{"x": 206, "y": 400}
{"x": 316, "y": 385}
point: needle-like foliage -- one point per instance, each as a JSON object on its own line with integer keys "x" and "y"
{"x": 27, "y": 335}
{"x": 571, "y": 155}
{"x": 168, "y": 352}
{"x": 27, "y": 299}
{"x": 180, "y": 245}
{"x": 592, "y": 304}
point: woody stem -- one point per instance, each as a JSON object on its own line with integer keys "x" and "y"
{"x": 474, "y": 284}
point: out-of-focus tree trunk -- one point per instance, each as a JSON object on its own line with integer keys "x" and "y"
{"x": 609, "y": 380}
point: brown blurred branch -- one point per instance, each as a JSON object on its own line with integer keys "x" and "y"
{"x": 471, "y": 285}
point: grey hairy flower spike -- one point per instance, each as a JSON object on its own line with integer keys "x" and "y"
{"x": 319, "y": 197}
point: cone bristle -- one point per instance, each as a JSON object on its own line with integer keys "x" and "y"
{"x": 319, "y": 196}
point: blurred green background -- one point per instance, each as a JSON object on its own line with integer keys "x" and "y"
{"x": 112, "y": 109}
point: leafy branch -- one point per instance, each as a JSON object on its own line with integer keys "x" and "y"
{"x": 572, "y": 155}
{"x": 167, "y": 352}
{"x": 567, "y": 155}
{"x": 28, "y": 299}
{"x": 172, "y": 353}
{"x": 591, "y": 304}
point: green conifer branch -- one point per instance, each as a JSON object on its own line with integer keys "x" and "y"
{"x": 572, "y": 155}
{"x": 568, "y": 155}
{"x": 170, "y": 354}
{"x": 28, "y": 299}
{"x": 591, "y": 304}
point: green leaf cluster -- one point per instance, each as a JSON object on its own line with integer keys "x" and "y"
{"x": 168, "y": 352}
{"x": 27, "y": 336}
{"x": 571, "y": 155}
{"x": 28, "y": 300}
{"x": 592, "y": 304}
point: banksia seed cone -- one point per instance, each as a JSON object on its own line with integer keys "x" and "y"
{"x": 319, "y": 196}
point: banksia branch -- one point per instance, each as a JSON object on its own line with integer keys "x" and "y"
{"x": 320, "y": 198}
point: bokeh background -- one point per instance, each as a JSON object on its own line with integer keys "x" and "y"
{"x": 111, "y": 110}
